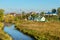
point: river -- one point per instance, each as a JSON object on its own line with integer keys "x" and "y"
{"x": 15, "y": 34}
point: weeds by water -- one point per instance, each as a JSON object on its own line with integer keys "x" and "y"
{"x": 40, "y": 30}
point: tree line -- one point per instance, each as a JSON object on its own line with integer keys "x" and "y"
{"x": 26, "y": 15}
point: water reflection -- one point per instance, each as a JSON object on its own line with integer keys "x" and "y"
{"x": 15, "y": 34}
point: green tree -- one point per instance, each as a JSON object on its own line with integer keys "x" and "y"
{"x": 23, "y": 15}
{"x": 58, "y": 11}
{"x": 1, "y": 14}
{"x": 27, "y": 15}
{"x": 33, "y": 15}
{"x": 42, "y": 13}
{"x": 53, "y": 10}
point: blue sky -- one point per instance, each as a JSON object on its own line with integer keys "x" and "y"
{"x": 28, "y": 5}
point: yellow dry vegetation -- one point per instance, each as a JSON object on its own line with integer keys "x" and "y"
{"x": 3, "y": 35}
{"x": 40, "y": 30}
{"x": 9, "y": 18}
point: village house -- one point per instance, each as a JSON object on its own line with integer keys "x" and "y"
{"x": 38, "y": 18}
{"x": 51, "y": 14}
{"x": 18, "y": 15}
{"x": 14, "y": 14}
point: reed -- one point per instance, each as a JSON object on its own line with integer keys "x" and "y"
{"x": 40, "y": 30}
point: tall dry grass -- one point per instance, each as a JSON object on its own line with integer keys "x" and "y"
{"x": 41, "y": 30}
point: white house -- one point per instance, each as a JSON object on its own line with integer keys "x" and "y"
{"x": 39, "y": 18}
{"x": 43, "y": 19}
{"x": 14, "y": 14}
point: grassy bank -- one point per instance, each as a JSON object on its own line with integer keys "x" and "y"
{"x": 40, "y": 30}
{"x": 3, "y": 35}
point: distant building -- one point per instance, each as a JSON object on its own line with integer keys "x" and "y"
{"x": 14, "y": 14}
{"x": 30, "y": 18}
{"x": 50, "y": 13}
{"x": 43, "y": 19}
{"x": 18, "y": 14}
{"x": 38, "y": 18}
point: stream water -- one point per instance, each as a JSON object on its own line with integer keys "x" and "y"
{"x": 15, "y": 34}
